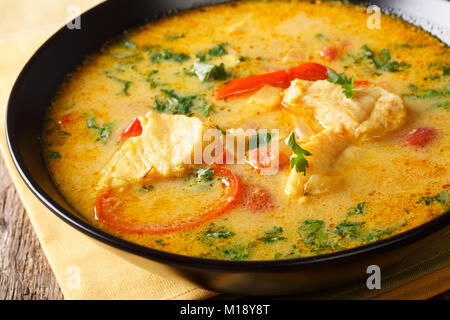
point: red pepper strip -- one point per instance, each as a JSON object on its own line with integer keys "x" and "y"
{"x": 108, "y": 208}
{"x": 306, "y": 71}
{"x": 134, "y": 129}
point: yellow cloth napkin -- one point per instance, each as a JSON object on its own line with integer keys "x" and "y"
{"x": 24, "y": 26}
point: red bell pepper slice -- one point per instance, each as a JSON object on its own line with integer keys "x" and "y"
{"x": 307, "y": 71}
{"x": 108, "y": 210}
{"x": 134, "y": 129}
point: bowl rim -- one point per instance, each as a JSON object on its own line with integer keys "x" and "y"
{"x": 397, "y": 240}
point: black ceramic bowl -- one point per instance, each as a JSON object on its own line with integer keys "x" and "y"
{"x": 44, "y": 73}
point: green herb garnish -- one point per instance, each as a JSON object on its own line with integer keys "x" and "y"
{"x": 208, "y": 71}
{"x": 315, "y": 233}
{"x": 53, "y": 155}
{"x": 298, "y": 160}
{"x": 383, "y": 60}
{"x": 167, "y": 54}
{"x": 148, "y": 188}
{"x": 359, "y": 209}
{"x": 203, "y": 174}
{"x": 322, "y": 37}
{"x": 172, "y": 37}
{"x": 348, "y": 229}
{"x": 442, "y": 198}
{"x": 127, "y": 43}
{"x": 103, "y": 131}
{"x": 218, "y": 50}
{"x": 160, "y": 242}
{"x": 217, "y": 233}
{"x": 341, "y": 78}
{"x": 259, "y": 140}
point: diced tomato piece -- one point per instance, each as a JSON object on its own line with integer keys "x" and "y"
{"x": 420, "y": 137}
{"x": 361, "y": 83}
{"x": 306, "y": 71}
{"x": 65, "y": 119}
{"x": 109, "y": 208}
{"x": 345, "y": 43}
{"x": 256, "y": 198}
{"x": 222, "y": 158}
{"x": 134, "y": 129}
{"x": 329, "y": 53}
{"x": 446, "y": 186}
{"x": 265, "y": 158}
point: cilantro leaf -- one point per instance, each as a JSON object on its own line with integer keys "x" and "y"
{"x": 298, "y": 160}
{"x": 341, "y": 78}
{"x": 217, "y": 233}
{"x": 53, "y": 155}
{"x": 272, "y": 235}
{"x": 103, "y": 131}
{"x": 383, "y": 60}
{"x": 204, "y": 174}
{"x": 172, "y": 37}
{"x": 442, "y": 198}
{"x": 348, "y": 229}
{"x": 315, "y": 233}
{"x": 259, "y": 140}
{"x": 218, "y": 50}
{"x": 166, "y": 55}
{"x": 208, "y": 71}
{"x": 359, "y": 209}
{"x": 322, "y": 37}
{"x": 127, "y": 43}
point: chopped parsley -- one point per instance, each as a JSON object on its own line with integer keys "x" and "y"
{"x": 124, "y": 55}
{"x": 443, "y": 105}
{"x": 298, "y": 160}
{"x": 236, "y": 253}
{"x": 103, "y": 131}
{"x": 272, "y": 235}
{"x": 375, "y": 235}
{"x": 348, "y": 229}
{"x": 126, "y": 83}
{"x": 53, "y": 155}
{"x": 172, "y": 37}
{"x": 208, "y": 71}
{"x": 383, "y": 60}
{"x": 314, "y": 233}
{"x": 217, "y": 233}
{"x": 218, "y": 50}
{"x": 151, "y": 80}
{"x": 341, "y": 78}
{"x": 322, "y": 37}
{"x": 220, "y": 129}
{"x": 148, "y": 188}
{"x": 442, "y": 198}
{"x": 160, "y": 242}
{"x": 127, "y": 43}
{"x": 178, "y": 104}
{"x": 259, "y": 140}
{"x": 167, "y": 55}
{"x": 359, "y": 209}
{"x": 203, "y": 174}
{"x": 430, "y": 93}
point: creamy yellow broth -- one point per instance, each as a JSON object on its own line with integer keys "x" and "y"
{"x": 389, "y": 185}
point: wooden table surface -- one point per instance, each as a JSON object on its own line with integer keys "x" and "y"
{"x": 25, "y": 272}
